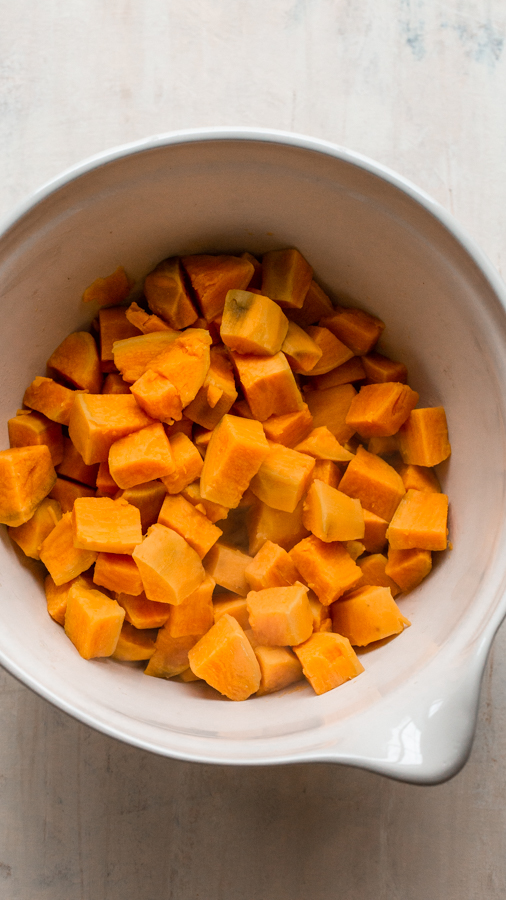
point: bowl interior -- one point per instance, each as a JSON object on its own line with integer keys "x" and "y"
{"x": 370, "y": 242}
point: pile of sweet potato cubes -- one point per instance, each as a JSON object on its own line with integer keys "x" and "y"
{"x": 212, "y": 478}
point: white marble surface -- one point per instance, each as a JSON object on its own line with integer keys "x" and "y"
{"x": 421, "y": 87}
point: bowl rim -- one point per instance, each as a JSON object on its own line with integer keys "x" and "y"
{"x": 462, "y": 700}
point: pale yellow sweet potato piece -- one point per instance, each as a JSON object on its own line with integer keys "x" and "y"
{"x": 51, "y": 399}
{"x": 180, "y": 515}
{"x": 143, "y": 613}
{"x": 196, "y": 614}
{"x": 327, "y": 568}
{"x": 117, "y": 572}
{"x": 133, "y": 355}
{"x": 367, "y": 614}
{"x": 109, "y": 291}
{"x": 280, "y": 616}
{"x": 113, "y": 326}
{"x": 225, "y": 659}
{"x": 330, "y": 407}
{"x": 290, "y": 428}
{"x": 98, "y": 420}
{"x": 29, "y": 429}
{"x": 170, "y": 569}
{"x": 423, "y": 438}
{"x": 286, "y": 277}
{"x": 301, "y": 351}
{"x": 106, "y": 525}
{"x": 328, "y": 660}
{"x": 357, "y": 329}
{"x": 321, "y": 444}
{"x": 374, "y": 482}
{"x": 141, "y": 456}
{"x": 218, "y": 393}
{"x": 76, "y": 360}
{"x": 282, "y": 478}
{"x": 213, "y": 276}
{"x": 185, "y": 363}
{"x": 420, "y": 522}
{"x": 32, "y": 533}
{"x": 187, "y": 463}
{"x": 171, "y": 654}
{"x": 379, "y": 410}
{"x": 332, "y": 515}
{"x": 62, "y": 560}
{"x": 271, "y": 567}
{"x": 167, "y": 296}
{"x": 134, "y": 645}
{"x": 148, "y": 498}
{"x": 268, "y": 384}
{"x": 252, "y": 323}
{"x": 408, "y": 567}
{"x": 227, "y": 566}
{"x": 235, "y": 453}
{"x": 279, "y": 667}
{"x": 26, "y": 476}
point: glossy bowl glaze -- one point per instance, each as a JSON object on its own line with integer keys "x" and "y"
{"x": 372, "y": 238}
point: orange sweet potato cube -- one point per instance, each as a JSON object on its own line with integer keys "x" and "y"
{"x": 420, "y": 522}
{"x": 103, "y": 524}
{"x": 141, "y": 456}
{"x": 113, "y": 326}
{"x": 290, "y": 428}
{"x": 357, "y": 329}
{"x": 98, "y": 420}
{"x": 29, "y": 429}
{"x": 271, "y": 567}
{"x": 76, "y": 360}
{"x": 225, "y": 659}
{"x": 92, "y": 621}
{"x": 375, "y": 533}
{"x": 227, "y": 566}
{"x": 106, "y": 485}
{"x": 185, "y": 362}
{"x": 419, "y": 478}
{"x": 332, "y": 515}
{"x": 379, "y": 410}
{"x": 133, "y": 355}
{"x": 148, "y": 498}
{"x": 235, "y": 453}
{"x": 66, "y": 492}
{"x": 379, "y": 368}
{"x": 134, "y": 645}
{"x": 330, "y": 407}
{"x": 268, "y": 384}
{"x": 280, "y": 616}
{"x": 252, "y": 323}
{"x": 383, "y": 446}
{"x": 196, "y": 614}
{"x": 114, "y": 384}
{"x": 170, "y": 569}
{"x": 217, "y": 394}
{"x": 109, "y": 291}
{"x": 327, "y": 471}
{"x": 26, "y": 476}
{"x": 180, "y": 515}
{"x": 144, "y": 321}
{"x": 321, "y": 444}
{"x": 117, "y": 572}
{"x": 316, "y": 305}
{"x": 57, "y": 596}
{"x": 214, "y": 511}
{"x": 334, "y": 352}
{"x": 143, "y": 613}
{"x": 30, "y": 535}
{"x": 279, "y": 667}
{"x": 371, "y": 480}
{"x": 353, "y": 370}
{"x": 213, "y": 276}
{"x": 301, "y": 350}
{"x": 327, "y": 568}
{"x": 319, "y": 612}
{"x": 408, "y": 567}
{"x": 62, "y": 560}
{"x": 73, "y": 466}
{"x": 367, "y": 614}
{"x": 171, "y": 654}
{"x": 286, "y": 277}
{"x": 229, "y": 604}
{"x": 282, "y": 478}
{"x": 267, "y": 524}
{"x": 373, "y": 573}
{"x": 423, "y": 438}
{"x": 157, "y": 396}
{"x": 51, "y": 399}
{"x": 328, "y": 660}
{"x": 167, "y": 296}
{"x": 187, "y": 463}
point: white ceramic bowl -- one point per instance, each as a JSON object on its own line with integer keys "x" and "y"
{"x": 370, "y": 236}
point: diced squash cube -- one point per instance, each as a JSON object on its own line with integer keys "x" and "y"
{"x": 180, "y": 515}
{"x": 286, "y": 277}
{"x": 419, "y": 478}
{"x": 268, "y": 384}
{"x": 227, "y": 566}
{"x": 316, "y": 305}
{"x": 144, "y": 322}
{"x": 66, "y": 492}
{"x": 133, "y": 355}
{"x": 271, "y": 567}
{"x": 92, "y": 621}
{"x": 353, "y": 370}
{"x": 420, "y": 522}
{"x": 225, "y": 659}
{"x": 105, "y": 525}
{"x": 29, "y": 429}
{"x": 157, "y": 396}
{"x": 328, "y": 660}
{"x": 30, "y": 535}
{"x": 134, "y": 645}
{"x": 330, "y": 407}
{"x": 327, "y": 471}
{"x": 252, "y": 323}
{"x": 148, "y": 498}
{"x": 327, "y": 568}
{"x": 185, "y": 363}
{"x": 367, "y": 614}
{"x": 375, "y": 535}
{"x": 143, "y": 613}
{"x": 355, "y": 328}
{"x": 229, "y": 604}
{"x": 379, "y": 368}
{"x": 279, "y": 667}
{"x": 214, "y": 511}
{"x": 57, "y": 596}
{"x": 282, "y": 478}
{"x": 378, "y": 410}
{"x": 383, "y": 446}
{"x": 166, "y": 293}
{"x": 26, "y": 476}
{"x": 280, "y": 616}
{"x": 182, "y": 425}
{"x": 213, "y": 276}
{"x": 98, "y": 420}
{"x": 301, "y": 351}
{"x": 171, "y": 655}
{"x": 113, "y": 326}
{"x": 187, "y": 462}
{"x": 321, "y": 444}
{"x": 235, "y": 453}
{"x": 332, "y": 515}
{"x": 170, "y": 569}
{"x": 51, "y": 399}
{"x": 267, "y": 524}
{"x": 76, "y": 360}
{"x": 217, "y": 394}
{"x": 373, "y": 573}
{"x": 290, "y": 428}
{"x": 423, "y": 438}
{"x": 114, "y": 384}
{"x": 408, "y": 567}
{"x": 355, "y": 548}
{"x": 73, "y": 466}
{"x": 196, "y": 614}
{"x": 106, "y": 485}
{"x": 319, "y": 612}
{"x": 334, "y": 352}
{"x": 118, "y": 572}
{"x": 371, "y": 480}
{"x": 141, "y": 456}
{"x": 62, "y": 560}
{"x": 109, "y": 291}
